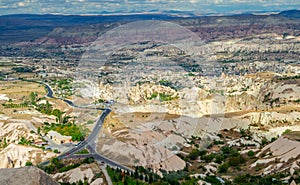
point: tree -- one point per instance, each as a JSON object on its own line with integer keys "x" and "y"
{"x": 223, "y": 168}
{"x": 150, "y": 178}
{"x": 125, "y": 181}
{"x": 235, "y": 161}
{"x": 28, "y": 163}
{"x": 48, "y": 107}
{"x": 136, "y": 174}
{"x": 55, "y": 161}
{"x": 33, "y": 97}
{"x": 219, "y": 158}
{"x": 194, "y": 154}
{"x": 80, "y": 182}
{"x": 287, "y": 131}
{"x": 251, "y": 153}
{"x": 59, "y": 115}
{"x": 146, "y": 178}
{"x": 66, "y": 119}
{"x": 141, "y": 177}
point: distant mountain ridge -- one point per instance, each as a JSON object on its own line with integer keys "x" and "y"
{"x": 24, "y": 34}
{"x": 25, "y": 27}
{"x": 290, "y": 13}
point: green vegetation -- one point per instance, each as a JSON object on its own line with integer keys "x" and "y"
{"x": 84, "y": 151}
{"x": 143, "y": 82}
{"x": 68, "y": 129}
{"x": 23, "y": 69}
{"x": 63, "y": 87}
{"x": 191, "y": 66}
{"x": 196, "y": 153}
{"x": 143, "y": 176}
{"x": 14, "y": 105}
{"x": 24, "y": 141}
{"x": 258, "y": 180}
{"x": 59, "y": 116}
{"x": 220, "y": 142}
{"x": 153, "y": 96}
{"x": 191, "y": 74}
{"x": 251, "y": 153}
{"x": 289, "y": 77}
{"x": 56, "y": 165}
{"x": 33, "y": 97}
{"x": 213, "y": 180}
{"x": 45, "y": 108}
{"x": 166, "y": 83}
{"x": 165, "y": 97}
{"x": 3, "y": 143}
{"x": 69, "y": 167}
{"x": 7, "y": 64}
{"x": 100, "y": 101}
{"x": 287, "y": 131}
{"x": 121, "y": 178}
{"x": 227, "y": 61}
{"x": 28, "y": 163}
{"x": 223, "y": 168}
{"x": 90, "y": 122}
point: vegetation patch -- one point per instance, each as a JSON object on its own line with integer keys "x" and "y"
{"x": 68, "y": 129}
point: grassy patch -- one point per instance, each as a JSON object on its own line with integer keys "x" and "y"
{"x": 84, "y": 151}
{"x": 68, "y": 129}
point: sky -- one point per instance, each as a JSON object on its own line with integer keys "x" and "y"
{"x": 200, "y": 7}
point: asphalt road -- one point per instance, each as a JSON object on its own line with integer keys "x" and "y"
{"x": 90, "y": 141}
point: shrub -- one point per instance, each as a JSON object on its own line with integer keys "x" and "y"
{"x": 194, "y": 154}
{"x": 287, "y": 131}
{"x": 223, "y": 168}
{"x": 28, "y": 163}
{"x": 251, "y": 153}
{"x": 219, "y": 158}
{"x": 235, "y": 161}
{"x": 208, "y": 158}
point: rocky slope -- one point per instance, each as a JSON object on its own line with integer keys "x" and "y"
{"x": 85, "y": 172}
{"x": 14, "y": 156}
{"x": 26, "y": 176}
{"x": 281, "y": 155}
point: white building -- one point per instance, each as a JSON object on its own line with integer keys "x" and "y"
{"x": 58, "y": 138}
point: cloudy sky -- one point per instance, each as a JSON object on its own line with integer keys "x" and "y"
{"x": 129, "y": 6}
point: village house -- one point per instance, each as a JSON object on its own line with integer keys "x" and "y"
{"x": 58, "y": 138}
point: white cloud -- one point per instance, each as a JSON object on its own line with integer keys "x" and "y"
{"x": 98, "y": 6}
{"x": 21, "y": 4}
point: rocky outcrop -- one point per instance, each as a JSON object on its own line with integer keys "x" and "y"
{"x": 14, "y": 156}
{"x": 25, "y": 176}
{"x": 15, "y": 129}
{"x": 83, "y": 172}
{"x": 281, "y": 155}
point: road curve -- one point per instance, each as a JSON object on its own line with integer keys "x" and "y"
{"x": 89, "y": 142}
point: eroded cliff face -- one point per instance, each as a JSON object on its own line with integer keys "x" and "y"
{"x": 281, "y": 155}
{"x": 149, "y": 132}
{"x": 15, "y": 156}
{"x": 13, "y": 130}
{"x": 216, "y": 95}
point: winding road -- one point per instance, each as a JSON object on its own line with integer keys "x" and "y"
{"x": 90, "y": 142}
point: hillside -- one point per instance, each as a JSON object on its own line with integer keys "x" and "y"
{"x": 25, "y": 176}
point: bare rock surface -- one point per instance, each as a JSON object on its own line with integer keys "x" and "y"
{"x": 25, "y": 176}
